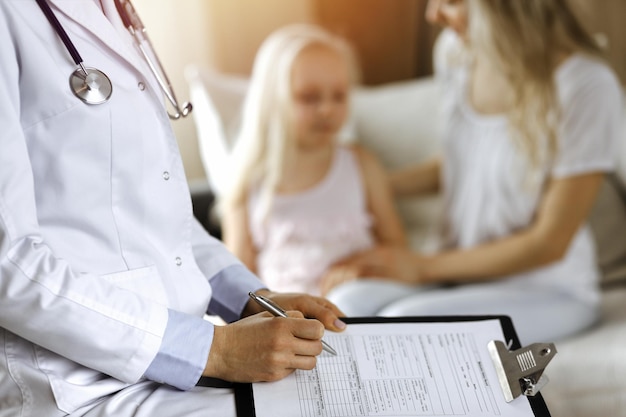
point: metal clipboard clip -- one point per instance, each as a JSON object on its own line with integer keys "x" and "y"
{"x": 520, "y": 371}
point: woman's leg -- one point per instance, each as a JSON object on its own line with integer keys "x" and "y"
{"x": 538, "y": 314}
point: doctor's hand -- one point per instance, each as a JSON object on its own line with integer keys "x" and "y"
{"x": 311, "y": 307}
{"x": 264, "y": 348}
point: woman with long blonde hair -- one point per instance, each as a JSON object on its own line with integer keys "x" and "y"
{"x": 532, "y": 117}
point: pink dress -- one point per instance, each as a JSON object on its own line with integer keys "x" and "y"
{"x": 306, "y": 232}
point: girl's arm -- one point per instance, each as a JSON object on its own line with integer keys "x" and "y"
{"x": 417, "y": 180}
{"x": 563, "y": 209}
{"x": 388, "y": 228}
{"x": 236, "y": 234}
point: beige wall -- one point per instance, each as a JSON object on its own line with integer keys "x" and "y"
{"x": 200, "y": 32}
{"x": 385, "y": 35}
{"x": 239, "y": 27}
{"x": 606, "y": 17}
{"x": 180, "y": 36}
{"x": 225, "y": 34}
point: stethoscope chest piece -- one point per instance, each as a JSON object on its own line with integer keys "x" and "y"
{"x": 90, "y": 85}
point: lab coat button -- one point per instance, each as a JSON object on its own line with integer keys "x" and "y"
{"x": 166, "y": 175}
{"x": 179, "y": 261}
{"x": 141, "y": 85}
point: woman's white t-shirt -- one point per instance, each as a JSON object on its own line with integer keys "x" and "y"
{"x": 487, "y": 192}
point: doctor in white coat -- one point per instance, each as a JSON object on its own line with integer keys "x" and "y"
{"x": 104, "y": 273}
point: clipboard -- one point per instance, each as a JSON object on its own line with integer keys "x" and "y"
{"x": 244, "y": 395}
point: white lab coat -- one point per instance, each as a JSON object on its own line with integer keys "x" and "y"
{"x": 97, "y": 236}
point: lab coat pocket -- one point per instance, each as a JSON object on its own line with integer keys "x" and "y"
{"x": 143, "y": 281}
{"x": 73, "y": 385}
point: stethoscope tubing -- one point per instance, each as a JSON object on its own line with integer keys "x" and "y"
{"x": 93, "y": 86}
{"x": 47, "y": 11}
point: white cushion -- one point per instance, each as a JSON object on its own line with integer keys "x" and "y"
{"x": 400, "y": 123}
{"x": 217, "y": 99}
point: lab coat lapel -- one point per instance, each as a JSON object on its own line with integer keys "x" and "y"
{"x": 108, "y": 31}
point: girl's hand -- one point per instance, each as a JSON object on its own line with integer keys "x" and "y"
{"x": 337, "y": 275}
{"x": 391, "y": 262}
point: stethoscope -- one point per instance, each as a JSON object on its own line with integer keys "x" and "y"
{"x": 93, "y": 86}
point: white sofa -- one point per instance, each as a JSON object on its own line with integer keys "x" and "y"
{"x": 400, "y": 123}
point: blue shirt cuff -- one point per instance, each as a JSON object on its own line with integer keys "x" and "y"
{"x": 230, "y": 291}
{"x": 184, "y": 351}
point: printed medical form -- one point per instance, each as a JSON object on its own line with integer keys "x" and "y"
{"x": 397, "y": 369}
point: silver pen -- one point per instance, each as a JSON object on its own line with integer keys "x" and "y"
{"x": 275, "y": 310}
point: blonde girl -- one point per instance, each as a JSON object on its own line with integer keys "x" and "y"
{"x": 299, "y": 201}
{"x": 532, "y": 119}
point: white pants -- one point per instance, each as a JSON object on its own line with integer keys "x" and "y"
{"x": 153, "y": 400}
{"x": 26, "y": 390}
{"x": 145, "y": 399}
{"x": 538, "y": 315}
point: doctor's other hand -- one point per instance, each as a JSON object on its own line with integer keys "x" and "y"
{"x": 264, "y": 348}
{"x": 310, "y": 306}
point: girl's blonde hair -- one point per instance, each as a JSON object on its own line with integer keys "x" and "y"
{"x": 262, "y": 144}
{"x": 526, "y": 38}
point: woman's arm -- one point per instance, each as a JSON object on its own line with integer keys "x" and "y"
{"x": 417, "y": 180}
{"x": 236, "y": 234}
{"x": 388, "y": 228}
{"x": 563, "y": 209}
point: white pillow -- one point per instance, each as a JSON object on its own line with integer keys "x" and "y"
{"x": 217, "y": 99}
{"x": 400, "y": 123}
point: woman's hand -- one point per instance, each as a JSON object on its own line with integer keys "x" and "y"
{"x": 391, "y": 262}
